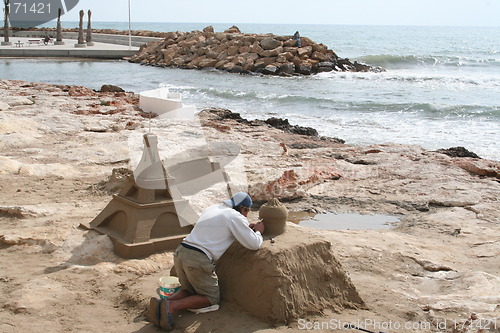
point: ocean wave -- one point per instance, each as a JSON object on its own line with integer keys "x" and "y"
{"x": 436, "y": 77}
{"x": 321, "y": 104}
{"x": 390, "y": 60}
{"x": 431, "y": 109}
{"x": 249, "y": 95}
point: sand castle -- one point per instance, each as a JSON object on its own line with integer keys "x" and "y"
{"x": 149, "y": 214}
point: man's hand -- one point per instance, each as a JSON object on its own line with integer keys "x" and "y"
{"x": 259, "y": 226}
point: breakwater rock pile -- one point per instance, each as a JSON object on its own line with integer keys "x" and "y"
{"x": 238, "y": 52}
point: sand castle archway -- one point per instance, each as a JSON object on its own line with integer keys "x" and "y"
{"x": 149, "y": 214}
{"x": 114, "y": 225}
{"x": 166, "y": 224}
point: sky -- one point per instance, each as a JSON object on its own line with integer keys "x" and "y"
{"x": 355, "y": 12}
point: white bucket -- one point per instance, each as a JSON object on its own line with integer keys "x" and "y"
{"x": 168, "y": 286}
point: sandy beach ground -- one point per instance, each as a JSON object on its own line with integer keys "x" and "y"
{"x": 437, "y": 270}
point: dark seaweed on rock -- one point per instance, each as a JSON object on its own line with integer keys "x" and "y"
{"x": 285, "y": 126}
{"x": 457, "y": 152}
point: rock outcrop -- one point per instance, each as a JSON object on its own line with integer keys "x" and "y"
{"x": 238, "y": 52}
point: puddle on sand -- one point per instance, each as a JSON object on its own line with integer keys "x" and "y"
{"x": 344, "y": 221}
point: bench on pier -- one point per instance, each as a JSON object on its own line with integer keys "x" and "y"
{"x": 35, "y": 42}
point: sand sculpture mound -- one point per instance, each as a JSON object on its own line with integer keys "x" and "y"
{"x": 293, "y": 275}
{"x": 274, "y": 215}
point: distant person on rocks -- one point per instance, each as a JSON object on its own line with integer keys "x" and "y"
{"x": 194, "y": 259}
{"x": 296, "y": 37}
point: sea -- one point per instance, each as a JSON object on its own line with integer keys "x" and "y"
{"x": 440, "y": 87}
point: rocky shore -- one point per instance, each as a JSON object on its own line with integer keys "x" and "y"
{"x": 238, "y": 52}
{"x": 61, "y": 151}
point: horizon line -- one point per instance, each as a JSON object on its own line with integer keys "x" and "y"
{"x": 339, "y": 24}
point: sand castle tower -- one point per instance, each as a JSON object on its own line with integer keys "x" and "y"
{"x": 149, "y": 214}
{"x": 274, "y": 215}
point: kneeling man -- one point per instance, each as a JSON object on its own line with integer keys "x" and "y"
{"x": 194, "y": 259}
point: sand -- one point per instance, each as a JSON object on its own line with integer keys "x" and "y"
{"x": 438, "y": 270}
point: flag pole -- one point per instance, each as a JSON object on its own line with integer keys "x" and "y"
{"x": 129, "y": 29}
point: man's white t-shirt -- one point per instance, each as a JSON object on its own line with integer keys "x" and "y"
{"x": 217, "y": 228}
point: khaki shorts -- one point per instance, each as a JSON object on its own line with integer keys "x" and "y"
{"x": 196, "y": 273}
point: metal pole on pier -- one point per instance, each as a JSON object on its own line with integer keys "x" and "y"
{"x": 129, "y": 29}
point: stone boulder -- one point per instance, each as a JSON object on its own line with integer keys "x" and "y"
{"x": 326, "y": 66}
{"x": 208, "y": 29}
{"x": 270, "y": 43}
{"x": 305, "y": 69}
{"x": 233, "y": 30}
{"x": 319, "y": 56}
{"x": 110, "y": 88}
{"x": 270, "y": 69}
{"x": 287, "y": 68}
{"x": 272, "y": 52}
{"x": 304, "y": 52}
